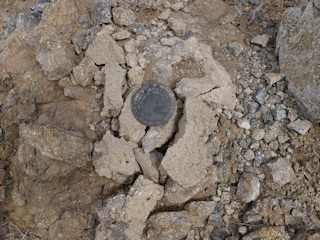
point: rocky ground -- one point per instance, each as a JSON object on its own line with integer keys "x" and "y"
{"x": 239, "y": 159}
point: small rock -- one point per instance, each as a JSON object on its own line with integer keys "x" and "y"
{"x": 279, "y": 114}
{"x": 261, "y": 40}
{"x": 244, "y": 123}
{"x": 272, "y": 132}
{"x": 57, "y": 143}
{"x": 259, "y": 158}
{"x": 84, "y": 72}
{"x": 169, "y": 225}
{"x": 177, "y": 6}
{"x": 123, "y": 17}
{"x": 279, "y": 172}
{"x": 159, "y": 135}
{"x": 56, "y": 57}
{"x": 149, "y": 163}
{"x": 261, "y": 96}
{"x": 121, "y": 35}
{"x": 115, "y": 80}
{"x": 115, "y": 125}
{"x": 178, "y": 26}
{"x": 132, "y": 60}
{"x": 117, "y": 160}
{"x": 79, "y": 93}
{"x": 235, "y": 48}
{"x": 101, "y": 13}
{"x": 257, "y": 134}
{"x": 165, "y": 14}
{"x": 135, "y": 76}
{"x": 272, "y": 78}
{"x": 270, "y": 232}
{"x": 105, "y": 50}
{"x": 130, "y": 128}
{"x": 248, "y": 188}
{"x": 65, "y": 82}
{"x": 167, "y": 41}
{"x": 11, "y": 99}
{"x": 99, "y": 78}
{"x": 300, "y": 126}
{"x": 249, "y": 155}
{"x": 80, "y": 41}
{"x": 242, "y": 230}
{"x": 222, "y": 97}
{"x": 131, "y": 45}
{"x": 199, "y": 211}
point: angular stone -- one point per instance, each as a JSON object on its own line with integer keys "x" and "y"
{"x": 223, "y": 97}
{"x": 258, "y": 134}
{"x": 121, "y": 35}
{"x": 130, "y": 128}
{"x": 79, "y": 93}
{"x": 299, "y": 57}
{"x": 123, "y": 17}
{"x": 57, "y": 143}
{"x": 110, "y": 209}
{"x": 199, "y": 211}
{"x": 141, "y": 200}
{"x": 259, "y": 157}
{"x": 115, "y": 80}
{"x": 235, "y": 48}
{"x": 105, "y": 50}
{"x": 135, "y": 76}
{"x": 167, "y": 41}
{"x": 84, "y": 72}
{"x": 80, "y": 41}
{"x": 169, "y": 225}
{"x": 248, "y": 187}
{"x": 261, "y": 95}
{"x": 188, "y": 150}
{"x": 261, "y": 40}
{"x": 147, "y": 4}
{"x": 159, "y": 135}
{"x": 56, "y": 57}
{"x": 178, "y": 26}
{"x": 268, "y": 232}
{"x": 176, "y": 194}
{"x": 249, "y": 155}
{"x": 272, "y": 132}
{"x": 279, "y": 114}
{"x": 272, "y": 78}
{"x": 117, "y": 160}
{"x": 100, "y": 11}
{"x": 165, "y": 14}
{"x": 149, "y": 163}
{"x": 300, "y": 126}
{"x": 279, "y": 172}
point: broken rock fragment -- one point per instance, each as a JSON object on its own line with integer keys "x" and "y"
{"x": 84, "y": 72}
{"x": 186, "y": 161}
{"x": 57, "y": 143}
{"x": 115, "y": 80}
{"x": 56, "y": 57}
{"x": 105, "y": 50}
{"x": 117, "y": 160}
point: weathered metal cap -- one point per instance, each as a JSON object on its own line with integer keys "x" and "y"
{"x": 153, "y": 104}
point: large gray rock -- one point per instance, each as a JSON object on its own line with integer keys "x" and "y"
{"x": 105, "y": 50}
{"x": 115, "y": 80}
{"x": 57, "y": 143}
{"x": 186, "y": 161}
{"x": 56, "y": 57}
{"x": 117, "y": 160}
{"x": 299, "y": 57}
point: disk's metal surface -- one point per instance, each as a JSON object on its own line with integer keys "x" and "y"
{"x": 153, "y": 104}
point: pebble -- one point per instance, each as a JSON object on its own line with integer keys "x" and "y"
{"x": 261, "y": 95}
{"x": 242, "y": 230}
{"x": 279, "y": 114}
{"x": 177, "y": 6}
{"x": 272, "y": 78}
{"x": 249, "y": 155}
{"x": 261, "y": 40}
{"x": 167, "y": 41}
{"x": 248, "y": 187}
{"x": 259, "y": 158}
{"x": 300, "y": 126}
{"x": 165, "y": 15}
{"x": 235, "y": 48}
{"x": 258, "y": 134}
{"x": 244, "y": 123}
{"x": 121, "y": 35}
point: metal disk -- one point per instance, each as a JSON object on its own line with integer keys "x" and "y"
{"x": 153, "y": 104}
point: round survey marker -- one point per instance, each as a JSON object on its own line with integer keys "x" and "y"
{"x": 153, "y": 104}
